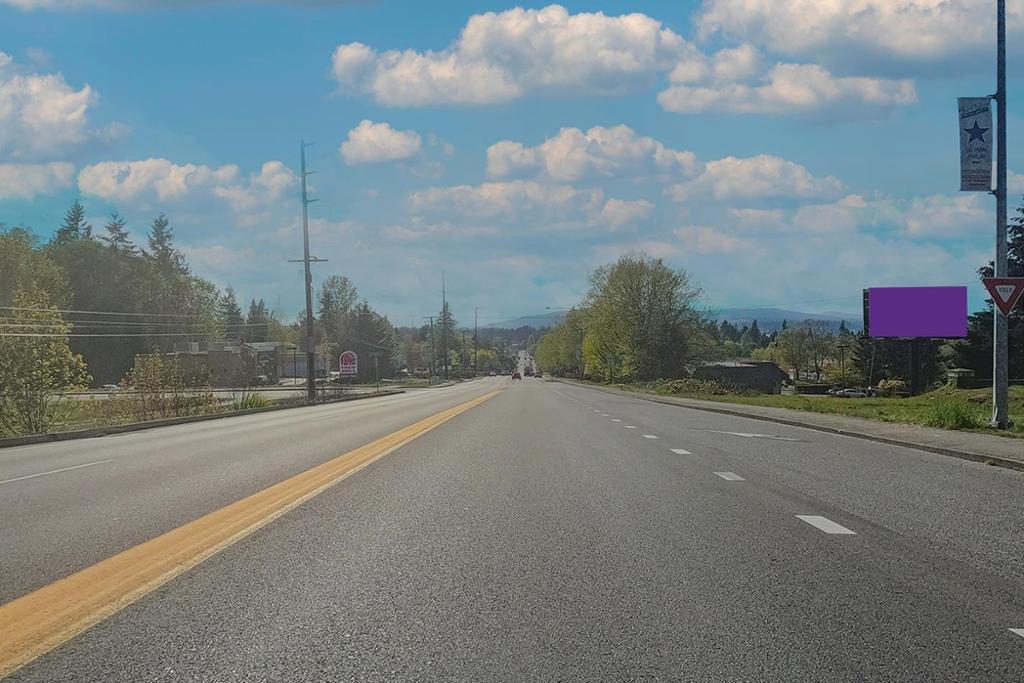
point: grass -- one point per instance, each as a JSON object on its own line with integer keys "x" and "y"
{"x": 947, "y": 408}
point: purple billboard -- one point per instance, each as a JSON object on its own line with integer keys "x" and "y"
{"x": 915, "y": 311}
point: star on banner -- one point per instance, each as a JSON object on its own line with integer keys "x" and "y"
{"x": 976, "y": 132}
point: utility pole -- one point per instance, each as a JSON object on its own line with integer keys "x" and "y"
{"x": 842, "y": 362}
{"x": 444, "y": 329}
{"x": 433, "y": 351}
{"x": 476, "y": 317}
{"x": 1000, "y": 356}
{"x": 306, "y": 260}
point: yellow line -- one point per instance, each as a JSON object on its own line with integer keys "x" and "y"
{"x": 46, "y": 618}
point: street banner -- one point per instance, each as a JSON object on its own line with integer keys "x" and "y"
{"x": 975, "y": 144}
{"x": 1005, "y": 291}
{"x": 348, "y": 364}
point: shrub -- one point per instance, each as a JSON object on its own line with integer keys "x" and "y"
{"x": 952, "y": 414}
{"x": 249, "y": 399}
{"x": 891, "y": 387}
{"x": 696, "y": 386}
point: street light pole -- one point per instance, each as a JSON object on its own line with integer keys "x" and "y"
{"x": 1000, "y": 355}
{"x": 842, "y": 363}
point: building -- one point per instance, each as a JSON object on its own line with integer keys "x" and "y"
{"x": 761, "y": 376}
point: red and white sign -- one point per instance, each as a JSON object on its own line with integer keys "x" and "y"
{"x": 348, "y": 364}
{"x": 1005, "y": 291}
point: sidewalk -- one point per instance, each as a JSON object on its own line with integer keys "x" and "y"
{"x": 994, "y": 450}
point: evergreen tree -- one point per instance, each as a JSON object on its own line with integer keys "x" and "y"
{"x": 231, "y": 315}
{"x": 445, "y": 332}
{"x": 257, "y": 321}
{"x": 75, "y": 226}
{"x": 117, "y": 235}
{"x": 161, "y": 247}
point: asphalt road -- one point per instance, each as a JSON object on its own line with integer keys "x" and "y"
{"x": 553, "y": 532}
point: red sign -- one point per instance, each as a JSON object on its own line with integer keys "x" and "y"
{"x": 348, "y": 364}
{"x": 1005, "y": 291}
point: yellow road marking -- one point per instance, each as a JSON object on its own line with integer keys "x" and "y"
{"x": 45, "y": 618}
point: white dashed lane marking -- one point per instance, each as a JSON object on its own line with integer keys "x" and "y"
{"x": 43, "y": 474}
{"x": 650, "y": 436}
{"x": 747, "y": 435}
{"x": 730, "y": 476}
{"x": 825, "y": 524}
{"x": 1018, "y": 631}
{"x": 680, "y": 451}
{"x": 630, "y": 426}
{"x": 615, "y": 419}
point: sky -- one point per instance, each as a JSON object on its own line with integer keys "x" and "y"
{"x": 785, "y": 153}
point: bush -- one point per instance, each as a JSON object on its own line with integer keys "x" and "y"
{"x": 952, "y": 414}
{"x": 249, "y": 399}
{"x": 891, "y": 387}
{"x": 696, "y": 386}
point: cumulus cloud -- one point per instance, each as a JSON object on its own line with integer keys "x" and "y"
{"x": 958, "y": 215}
{"x": 573, "y": 154}
{"x": 502, "y": 56}
{"x": 620, "y": 212}
{"x": 900, "y": 35}
{"x": 758, "y": 177}
{"x": 25, "y": 181}
{"x": 374, "y": 143}
{"x": 150, "y": 181}
{"x": 733, "y": 85}
{"x": 705, "y": 240}
{"x": 42, "y": 117}
{"x": 509, "y": 202}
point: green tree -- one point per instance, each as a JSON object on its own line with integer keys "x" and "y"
{"x": 33, "y": 370}
{"x": 161, "y": 248}
{"x": 24, "y": 266}
{"x": 75, "y": 226}
{"x": 231, "y": 315}
{"x": 117, "y": 237}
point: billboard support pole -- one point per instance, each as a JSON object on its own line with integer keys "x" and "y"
{"x": 1000, "y": 356}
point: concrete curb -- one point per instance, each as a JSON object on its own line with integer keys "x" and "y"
{"x": 171, "y": 421}
{"x": 996, "y": 460}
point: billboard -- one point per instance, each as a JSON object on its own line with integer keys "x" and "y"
{"x": 915, "y": 311}
{"x": 348, "y": 364}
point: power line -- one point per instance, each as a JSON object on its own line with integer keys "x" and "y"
{"x": 85, "y": 312}
{"x": 109, "y": 335}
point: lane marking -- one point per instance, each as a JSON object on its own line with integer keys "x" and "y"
{"x": 604, "y": 415}
{"x": 615, "y": 419}
{"x": 748, "y": 435}
{"x": 37, "y": 622}
{"x": 630, "y": 427}
{"x": 825, "y": 524}
{"x": 650, "y": 436}
{"x": 730, "y": 476}
{"x": 1018, "y": 631}
{"x": 62, "y": 469}
{"x": 680, "y": 451}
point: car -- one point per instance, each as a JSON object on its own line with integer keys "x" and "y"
{"x": 851, "y": 393}
{"x": 516, "y": 375}
{"x": 492, "y": 373}
{"x": 110, "y": 387}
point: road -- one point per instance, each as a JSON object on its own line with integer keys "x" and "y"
{"x": 548, "y": 532}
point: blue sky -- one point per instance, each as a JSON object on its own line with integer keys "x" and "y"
{"x": 783, "y": 156}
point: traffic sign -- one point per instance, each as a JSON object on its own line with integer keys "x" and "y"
{"x": 348, "y": 364}
{"x": 1005, "y": 291}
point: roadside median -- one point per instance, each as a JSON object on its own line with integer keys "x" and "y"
{"x": 992, "y": 450}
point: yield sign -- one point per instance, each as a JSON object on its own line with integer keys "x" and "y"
{"x": 1005, "y": 291}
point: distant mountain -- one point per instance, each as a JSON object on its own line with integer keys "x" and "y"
{"x": 770, "y": 319}
{"x": 541, "y": 321}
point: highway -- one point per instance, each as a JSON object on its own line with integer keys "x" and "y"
{"x": 506, "y": 530}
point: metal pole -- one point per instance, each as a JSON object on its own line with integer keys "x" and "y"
{"x": 476, "y": 317}
{"x": 376, "y": 370}
{"x": 444, "y": 329}
{"x": 310, "y": 341}
{"x": 433, "y": 350}
{"x": 1000, "y": 357}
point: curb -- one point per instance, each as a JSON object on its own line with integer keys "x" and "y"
{"x": 171, "y": 421}
{"x": 994, "y": 460}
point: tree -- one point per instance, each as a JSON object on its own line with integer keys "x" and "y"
{"x": 642, "y": 321}
{"x": 794, "y": 344}
{"x": 34, "y": 369}
{"x": 23, "y": 265}
{"x": 231, "y": 315}
{"x": 445, "y": 331}
{"x": 257, "y": 322}
{"x": 161, "y": 248}
{"x": 117, "y": 237}
{"x": 75, "y": 226}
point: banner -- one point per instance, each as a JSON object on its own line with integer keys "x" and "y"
{"x": 975, "y": 144}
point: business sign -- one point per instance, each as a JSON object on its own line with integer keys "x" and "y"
{"x": 348, "y": 364}
{"x": 975, "y": 144}
{"x": 1005, "y": 292}
{"x": 915, "y": 312}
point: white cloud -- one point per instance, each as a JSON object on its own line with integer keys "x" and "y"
{"x": 151, "y": 181}
{"x": 25, "y": 181}
{"x": 514, "y": 202}
{"x": 759, "y": 177}
{"x": 64, "y": 5}
{"x": 785, "y": 89}
{"x": 502, "y": 56}
{"x": 41, "y": 116}
{"x": 959, "y": 215}
{"x": 902, "y": 35}
{"x": 599, "y": 152}
{"x": 373, "y": 143}
{"x": 619, "y": 212}
{"x": 705, "y": 240}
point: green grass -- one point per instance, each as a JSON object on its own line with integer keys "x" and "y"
{"x": 963, "y": 409}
